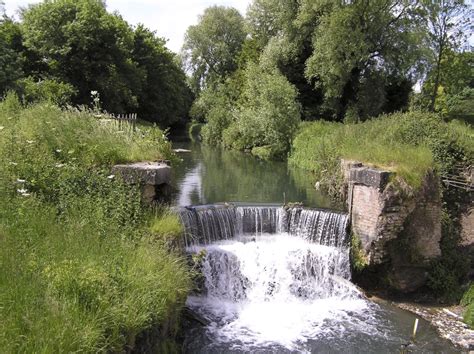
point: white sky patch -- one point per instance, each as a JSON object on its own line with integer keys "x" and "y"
{"x": 169, "y": 18}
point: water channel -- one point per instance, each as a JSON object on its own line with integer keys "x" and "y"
{"x": 268, "y": 286}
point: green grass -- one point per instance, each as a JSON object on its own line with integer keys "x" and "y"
{"x": 408, "y": 144}
{"x": 80, "y": 269}
{"x": 166, "y": 226}
{"x": 468, "y": 301}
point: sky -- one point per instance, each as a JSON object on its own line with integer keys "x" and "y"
{"x": 169, "y": 18}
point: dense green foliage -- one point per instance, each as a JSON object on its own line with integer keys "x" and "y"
{"x": 346, "y": 61}
{"x": 211, "y": 47}
{"x": 81, "y": 270}
{"x": 468, "y": 301}
{"x": 384, "y": 142}
{"x": 81, "y": 46}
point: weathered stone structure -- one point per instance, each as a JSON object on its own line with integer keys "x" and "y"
{"x": 153, "y": 177}
{"x": 399, "y": 229}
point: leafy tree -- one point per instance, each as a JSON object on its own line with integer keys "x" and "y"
{"x": 87, "y": 47}
{"x": 211, "y": 47}
{"x": 165, "y": 97}
{"x": 10, "y": 59}
{"x": 447, "y": 22}
{"x": 269, "y": 116}
{"x": 359, "y": 44}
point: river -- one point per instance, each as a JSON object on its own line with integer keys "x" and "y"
{"x": 278, "y": 292}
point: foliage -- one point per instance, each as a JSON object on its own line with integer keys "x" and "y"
{"x": 468, "y": 301}
{"x": 269, "y": 116}
{"x": 164, "y": 97}
{"x": 80, "y": 44}
{"x": 450, "y": 270}
{"x": 351, "y": 43}
{"x": 10, "y": 60}
{"x": 358, "y": 259}
{"x": 448, "y": 23}
{"x": 384, "y": 142}
{"x": 79, "y": 271}
{"x": 210, "y": 48}
{"x": 86, "y": 47}
{"x": 49, "y": 90}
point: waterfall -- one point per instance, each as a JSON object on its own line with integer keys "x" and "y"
{"x": 269, "y": 274}
{"x": 208, "y": 224}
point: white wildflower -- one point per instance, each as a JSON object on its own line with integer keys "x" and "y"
{"x": 93, "y": 93}
{"x": 22, "y": 190}
{"x": 59, "y": 165}
{"x": 19, "y": 180}
{"x": 58, "y": 150}
{"x": 2, "y": 127}
{"x": 25, "y": 194}
{"x": 111, "y": 177}
{"x": 30, "y": 141}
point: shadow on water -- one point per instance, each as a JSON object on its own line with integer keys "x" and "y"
{"x": 210, "y": 175}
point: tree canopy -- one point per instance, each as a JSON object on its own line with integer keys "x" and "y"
{"x": 79, "y": 43}
{"x": 211, "y": 47}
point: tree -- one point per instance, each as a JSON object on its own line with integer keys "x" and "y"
{"x": 268, "y": 117}
{"x": 165, "y": 98}
{"x": 447, "y": 22}
{"x": 10, "y": 59}
{"x": 87, "y": 47}
{"x": 358, "y": 45}
{"x": 211, "y": 47}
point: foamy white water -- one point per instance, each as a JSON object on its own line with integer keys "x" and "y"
{"x": 274, "y": 289}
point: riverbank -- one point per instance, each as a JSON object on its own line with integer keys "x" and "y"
{"x": 85, "y": 265}
{"x": 447, "y": 321}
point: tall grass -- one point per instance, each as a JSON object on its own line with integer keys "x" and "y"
{"x": 409, "y": 144}
{"x": 80, "y": 269}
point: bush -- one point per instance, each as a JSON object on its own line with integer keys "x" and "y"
{"x": 468, "y": 301}
{"x": 268, "y": 117}
{"x": 48, "y": 90}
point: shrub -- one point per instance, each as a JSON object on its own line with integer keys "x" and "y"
{"x": 468, "y": 301}
{"x": 48, "y": 90}
{"x": 269, "y": 115}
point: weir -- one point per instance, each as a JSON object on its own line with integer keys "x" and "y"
{"x": 269, "y": 273}
{"x": 210, "y": 223}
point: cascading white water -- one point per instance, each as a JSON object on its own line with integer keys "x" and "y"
{"x": 276, "y": 277}
{"x": 273, "y": 289}
{"x": 276, "y": 280}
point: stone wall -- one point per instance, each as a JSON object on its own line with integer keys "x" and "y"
{"x": 399, "y": 229}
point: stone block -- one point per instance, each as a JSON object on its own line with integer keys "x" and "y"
{"x": 370, "y": 177}
{"x": 144, "y": 173}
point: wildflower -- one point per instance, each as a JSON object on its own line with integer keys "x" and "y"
{"x": 25, "y": 194}
{"x": 111, "y": 177}
{"x": 58, "y": 150}
{"x": 22, "y": 190}
{"x": 30, "y": 141}
{"x": 93, "y": 93}
{"x": 59, "y": 165}
{"x": 19, "y": 180}
{"x": 2, "y": 127}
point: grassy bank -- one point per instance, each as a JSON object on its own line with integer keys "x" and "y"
{"x": 83, "y": 265}
{"x": 409, "y": 144}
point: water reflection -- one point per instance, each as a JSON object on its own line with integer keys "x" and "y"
{"x": 211, "y": 175}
